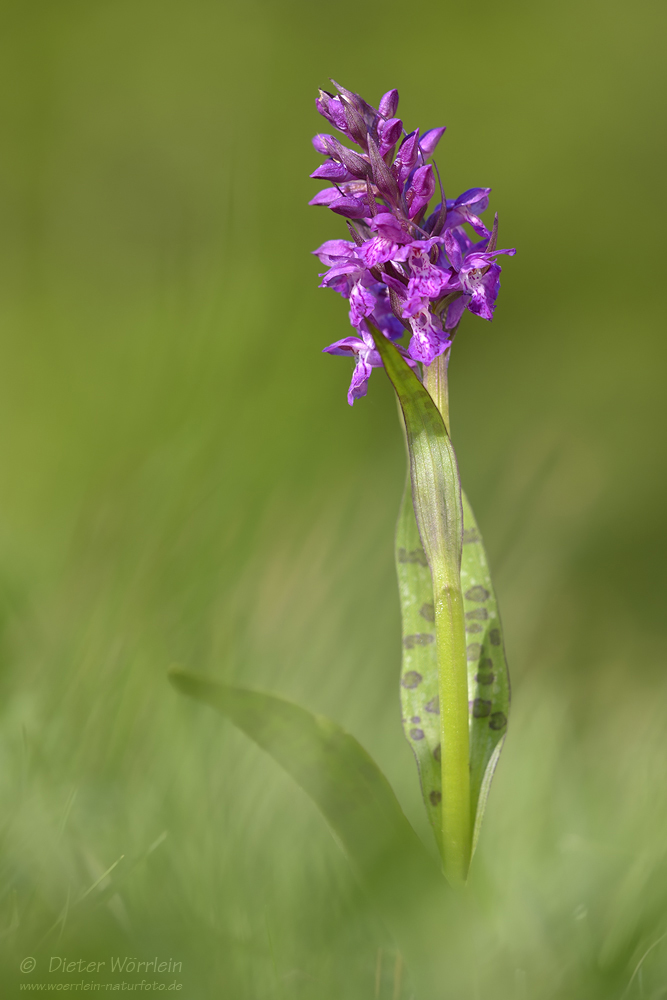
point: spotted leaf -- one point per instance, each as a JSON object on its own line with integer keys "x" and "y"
{"x": 488, "y": 677}
{"x": 488, "y": 680}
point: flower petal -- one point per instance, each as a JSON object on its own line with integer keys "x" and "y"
{"x": 420, "y": 192}
{"x": 430, "y": 140}
{"x": 453, "y": 250}
{"x": 429, "y": 340}
{"x": 332, "y": 171}
{"x": 388, "y": 104}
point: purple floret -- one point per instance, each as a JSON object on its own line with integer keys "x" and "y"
{"x": 405, "y": 272}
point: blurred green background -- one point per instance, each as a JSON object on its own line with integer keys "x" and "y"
{"x": 182, "y": 481}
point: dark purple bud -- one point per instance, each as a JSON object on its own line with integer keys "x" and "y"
{"x": 357, "y": 166}
{"x": 388, "y": 104}
{"x": 351, "y": 208}
{"x": 318, "y": 143}
{"x": 430, "y": 140}
{"x": 406, "y": 158}
{"x": 389, "y": 132}
{"x": 384, "y": 180}
{"x": 337, "y": 115}
{"x": 356, "y": 125}
{"x": 420, "y": 191}
{"x": 367, "y": 112}
{"x": 332, "y": 109}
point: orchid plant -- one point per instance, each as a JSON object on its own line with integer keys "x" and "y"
{"x": 408, "y": 272}
{"x": 409, "y": 275}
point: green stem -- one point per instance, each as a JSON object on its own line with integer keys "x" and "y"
{"x": 453, "y": 684}
{"x": 435, "y": 380}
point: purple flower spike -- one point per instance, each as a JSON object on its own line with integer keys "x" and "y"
{"x": 403, "y": 275}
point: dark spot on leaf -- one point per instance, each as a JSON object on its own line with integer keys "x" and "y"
{"x": 415, "y": 718}
{"x": 427, "y": 611}
{"x": 498, "y": 720}
{"x": 481, "y": 708}
{"x": 437, "y": 753}
{"x": 485, "y": 678}
{"x": 474, "y": 627}
{"x": 494, "y": 636}
{"x": 417, "y": 734}
{"x": 486, "y": 664}
{"x": 480, "y": 613}
{"x": 477, "y": 594}
{"x": 435, "y": 797}
{"x": 420, "y": 639}
{"x": 415, "y": 556}
{"x": 470, "y": 535}
{"x": 411, "y": 679}
{"x": 474, "y": 651}
{"x": 433, "y": 705}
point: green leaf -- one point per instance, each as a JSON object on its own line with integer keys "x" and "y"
{"x": 436, "y": 493}
{"x": 420, "y": 701}
{"x": 401, "y": 877}
{"x": 488, "y": 679}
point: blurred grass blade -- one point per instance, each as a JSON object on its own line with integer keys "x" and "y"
{"x": 488, "y": 679}
{"x": 357, "y": 801}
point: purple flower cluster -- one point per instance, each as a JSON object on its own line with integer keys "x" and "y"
{"x": 404, "y": 269}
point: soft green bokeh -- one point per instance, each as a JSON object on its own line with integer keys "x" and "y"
{"x": 181, "y": 481}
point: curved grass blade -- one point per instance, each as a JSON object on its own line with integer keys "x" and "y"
{"x": 357, "y": 801}
{"x": 488, "y": 679}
